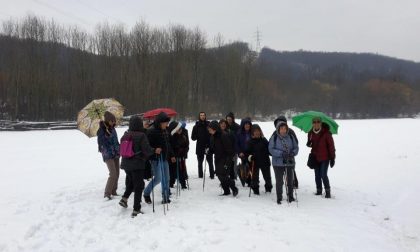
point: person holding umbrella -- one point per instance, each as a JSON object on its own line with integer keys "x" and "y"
{"x": 109, "y": 147}
{"x": 322, "y": 148}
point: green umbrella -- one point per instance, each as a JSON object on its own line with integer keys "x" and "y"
{"x": 304, "y": 121}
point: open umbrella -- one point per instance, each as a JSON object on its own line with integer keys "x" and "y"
{"x": 152, "y": 113}
{"x": 304, "y": 121}
{"x": 89, "y": 117}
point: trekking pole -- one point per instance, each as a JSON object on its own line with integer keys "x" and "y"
{"x": 285, "y": 184}
{"x": 162, "y": 181}
{"x": 252, "y": 177}
{"x": 178, "y": 191}
{"x": 153, "y": 187}
{"x": 204, "y": 177}
{"x": 166, "y": 186}
{"x": 295, "y": 190}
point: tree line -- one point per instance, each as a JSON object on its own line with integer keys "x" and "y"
{"x": 49, "y": 71}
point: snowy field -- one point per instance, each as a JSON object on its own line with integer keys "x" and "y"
{"x": 52, "y": 186}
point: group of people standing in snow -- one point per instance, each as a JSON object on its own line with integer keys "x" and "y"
{"x": 238, "y": 151}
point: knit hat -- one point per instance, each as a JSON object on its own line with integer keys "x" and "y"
{"x": 174, "y": 126}
{"x": 214, "y": 125}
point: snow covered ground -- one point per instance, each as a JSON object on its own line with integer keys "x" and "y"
{"x": 52, "y": 185}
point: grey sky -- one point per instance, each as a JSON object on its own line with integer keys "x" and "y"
{"x": 389, "y": 27}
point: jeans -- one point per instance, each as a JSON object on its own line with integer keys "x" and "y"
{"x": 157, "y": 178}
{"x": 321, "y": 175}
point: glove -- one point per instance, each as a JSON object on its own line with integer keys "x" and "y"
{"x": 250, "y": 158}
{"x": 332, "y": 163}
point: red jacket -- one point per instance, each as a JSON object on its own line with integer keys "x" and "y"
{"x": 322, "y": 144}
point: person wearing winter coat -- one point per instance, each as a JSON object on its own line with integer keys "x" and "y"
{"x": 322, "y": 147}
{"x": 134, "y": 167}
{"x": 180, "y": 146}
{"x": 242, "y": 138}
{"x": 202, "y": 136}
{"x": 223, "y": 124}
{"x": 222, "y": 147}
{"x": 292, "y": 134}
{"x": 283, "y": 149}
{"x": 233, "y": 128}
{"x": 109, "y": 147}
{"x": 259, "y": 158}
{"x": 158, "y": 137}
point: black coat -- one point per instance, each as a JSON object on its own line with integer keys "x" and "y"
{"x": 258, "y": 148}
{"x": 201, "y": 135}
{"x": 222, "y": 147}
{"x": 142, "y": 147}
{"x": 180, "y": 144}
{"x": 159, "y": 138}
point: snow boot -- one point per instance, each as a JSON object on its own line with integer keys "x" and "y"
{"x": 166, "y": 201}
{"x": 147, "y": 199}
{"x": 256, "y": 191}
{"x": 123, "y": 202}
{"x": 318, "y": 191}
{"x": 327, "y": 193}
{"x": 135, "y": 213}
{"x": 290, "y": 198}
{"x": 235, "y": 191}
{"x": 279, "y": 200}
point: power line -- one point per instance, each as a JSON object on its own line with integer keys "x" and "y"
{"x": 67, "y": 14}
{"x": 99, "y": 11}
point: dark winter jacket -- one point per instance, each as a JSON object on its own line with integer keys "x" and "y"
{"x": 243, "y": 136}
{"x": 180, "y": 145}
{"x": 322, "y": 144}
{"x": 108, "y": 144}
{"x": 234, "y": 128}
{"x": 141, "y": 146}
{"x": 222, "y": 147}
{"x": 258, "y": 148}
{"x": 201, "y": 135}
{"x": 159, "y": 138}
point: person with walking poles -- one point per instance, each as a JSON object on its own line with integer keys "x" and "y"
{"x": 202, "y": 136}
{"x": 321, "y": 142}
{"x": 259, "y": 158}
{"x": 222, "y": 147}
{"x": 242, "y": 138}
{"x": 109, "y": 147}
{"x": 135, "y": 150}
{"x": 158, "y": 136}
{"x": 283, "y": 149}
{"x": 179, "y": 144}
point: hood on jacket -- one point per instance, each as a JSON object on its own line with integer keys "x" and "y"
{"x": 279, "y": 124}
{"x": 278, "y": 119}
{"x": 245, "y": 121}
{"x": 135, "y": 124}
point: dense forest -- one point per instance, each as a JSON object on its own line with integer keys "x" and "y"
{"x": 49, "y": 72}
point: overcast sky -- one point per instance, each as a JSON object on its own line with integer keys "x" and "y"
{"x": 389, "y": 27}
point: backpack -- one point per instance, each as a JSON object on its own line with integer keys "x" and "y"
{"x": 127, "y": 146}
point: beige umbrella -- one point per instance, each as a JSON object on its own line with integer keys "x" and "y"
{"x": 89, "y": 117}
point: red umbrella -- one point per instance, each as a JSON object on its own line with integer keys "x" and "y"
{"x": 152, "y": 113}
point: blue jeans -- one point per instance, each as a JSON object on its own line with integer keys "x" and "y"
{"x": 321, "y": 175}
{"x": 157, "y": 178}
